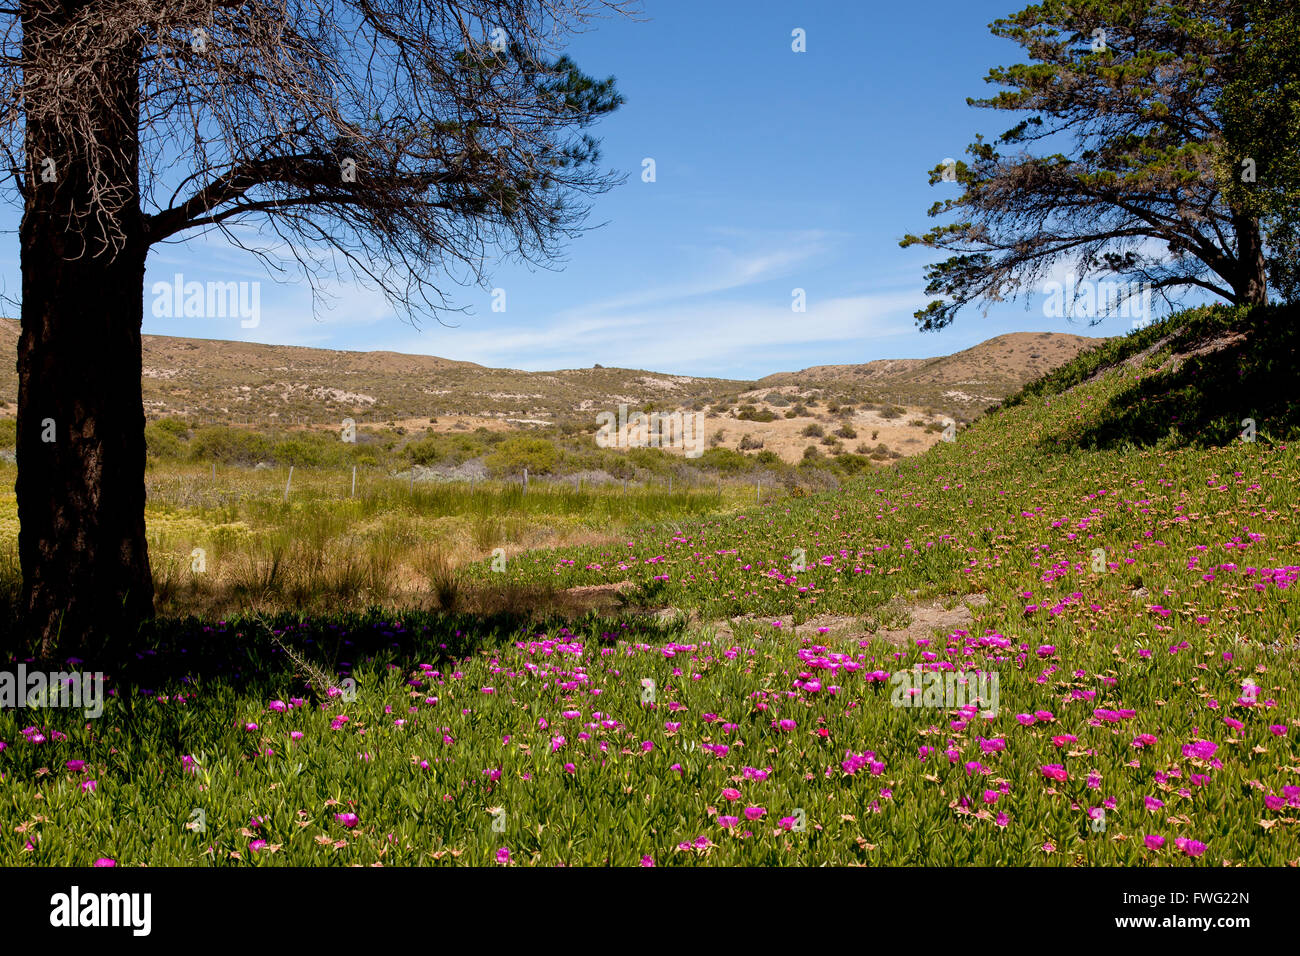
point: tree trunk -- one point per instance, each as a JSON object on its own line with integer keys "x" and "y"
{"x": 81, "y": 452}
{"x": 1251, "y": 286}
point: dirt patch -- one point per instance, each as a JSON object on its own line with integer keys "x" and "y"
{"x": 598, "y": 597}
{"x": 924, "y": 619}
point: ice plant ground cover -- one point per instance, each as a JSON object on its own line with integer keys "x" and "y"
{"x": 1140, "y": 615}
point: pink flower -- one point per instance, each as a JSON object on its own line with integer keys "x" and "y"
{"x": 731, "y": 793}
{"x": 278, "y": 706}
{"x": 1054, "y": 771}
{"x": 647, "y": 745}
{"x": 256, "y": 845}
{"x": 348, "y": 820}
{"x": 1201, "y": 749}
{"x": 250, "y": 726}
{"x": 991, "y": 796}
{"x": 1277, "y": 730}
{"x": 728, "y": 822}
{"x": 89, "y": 786}
{"x": 787, "y": 823}
{"x": 503, "y": 856}
{"x": 105, "y": 861}
{"x": 647, "y": 861}
{"x": 76, "y": 766}
{"x": 754, "y": 813}
{"x": 1154, "y": 842}
{"x": 1190, "y": 847}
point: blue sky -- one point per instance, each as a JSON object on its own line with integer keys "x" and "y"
{"x": 775, "y": 170}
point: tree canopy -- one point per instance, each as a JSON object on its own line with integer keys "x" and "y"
{"x": 1128, "y": 158}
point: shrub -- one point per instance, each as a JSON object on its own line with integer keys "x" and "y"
{"x": 846, "y": 431}
{"x": 748, "y": 413}
{"x": 852, "y": 464}
{"x": 813, "y": 430}
{"x": 229, "y": 446}
{"x": 750, "y": 444}
{"x": 726, "y": 460}
{"x": 513, "y": 455}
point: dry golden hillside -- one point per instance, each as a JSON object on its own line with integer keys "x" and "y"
{"x": 885, "y": 408}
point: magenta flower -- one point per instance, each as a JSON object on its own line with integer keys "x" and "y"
{"x": 754, "y": 813}
{"x": 278, "y": 706}
{"x": 728, "y": 822}
{"x": 503, "y": 855}
{"x": 348, "y": 820}
{"x": 991, "y": 796}
{"x": 647, "y": 861}
{"x": 731, "y": 793}
{"x": 1201, "y": 749}
{"x": 105, "y": 861}
{"x": 1154, "y": 842}
{"x": 89, "y": 786}
{"x": 647, "y": 745}
{"x": 1190, "y": 847}
{"x": 1277, "y": 730}
{"x": 1055, "y": 771}
{"x": 76, "y": 766}
{"x": 256, "y": 845}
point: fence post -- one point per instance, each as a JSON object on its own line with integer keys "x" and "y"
{"x": 287, "y": 483}
{"x": 354, "y": 481}
{"x": 525, "y": 479}
{"x": 758, "y": 496}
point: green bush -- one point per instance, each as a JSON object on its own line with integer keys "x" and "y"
{"x": 749, "y": 413}
{"x": 162, "y": 443}
{"x": 513, "y": 455}
{"x": 725, "y": 460}
{"x": 8, "y": 432}
{"x": 229, "y": 446}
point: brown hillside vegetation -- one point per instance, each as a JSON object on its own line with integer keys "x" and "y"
{"x": 885, "y": 409}
{"x": 968, "y": 380}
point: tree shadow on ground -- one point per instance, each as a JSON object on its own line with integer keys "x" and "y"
{"x": 1223, "y": 371}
